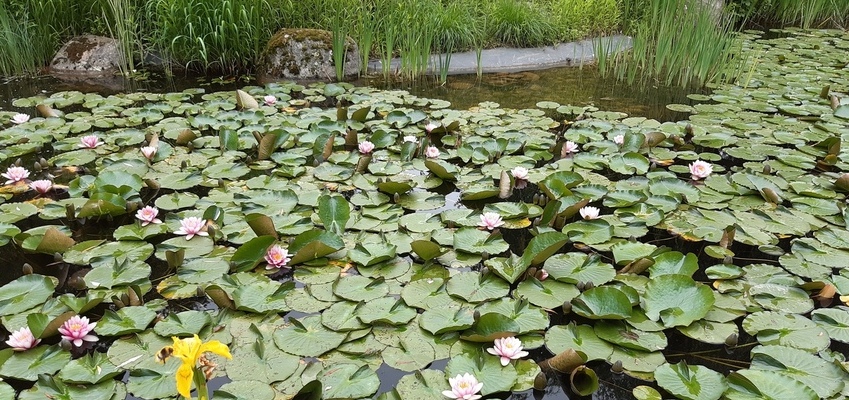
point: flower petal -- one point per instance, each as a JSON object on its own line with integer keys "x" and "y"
{"x": 184, "y": 380}
{"x": 449, "y": 394}
{"x": 216, "y": 347}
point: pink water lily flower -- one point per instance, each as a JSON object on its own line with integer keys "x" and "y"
{"x": 270, "y": 100}
{"x": 431, "y": 152}
{"x": 15, "y": 174}
{"x": 542, "y": 275}
{"x": 589, "y": 212}
{"x": 570, "y": 147}
{"x": 19, "y": 118}
{"x": 41, "y": 186}
{"x": 490, "y": 221}
{"x": 192, "y": 226}
{"x": 22, "y": 339}
{"x": 366, "y": 147}
{"x": 147, "y": 216}
{"x": 277, "y": 257}
{"x": 89, "y": 142}
{"x": 149, "y": 152}
{"x": 700, "y": 170}
{"x": 508, "y": 348}
{"x": 76, "y": 330}
{"x": 464, "y": 387}
{"x": 430, "y": 127}
{"x": 619, "y": 139}
{"x": 520, "y": 173}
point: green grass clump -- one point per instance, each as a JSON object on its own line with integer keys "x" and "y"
{"x": 520, "y": 23}
{"x": 227, "y": 36}
{"x": 804, "y": 13}
{"x": 576, "y": 19}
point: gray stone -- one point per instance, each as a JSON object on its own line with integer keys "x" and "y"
{"x": 305, "y": 54}
{"x": 504, "y": 59}
{"x": 88, "y": 55}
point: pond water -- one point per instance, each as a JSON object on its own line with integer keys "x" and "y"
{"x": 726, "y": 257}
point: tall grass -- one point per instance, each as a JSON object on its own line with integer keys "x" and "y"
{"x": 227, "y": 36}
{"x": 575, "y": 19}
{"x": 16, "y": 57}
{"x": 804, "y": 13}
{"x": 675, "y": 42}
{"x": 520, "y": 23}
{"x": 123, "y": 26}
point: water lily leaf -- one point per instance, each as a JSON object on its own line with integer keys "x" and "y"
{"x": 424, "y": 384}
{"x": 342, "y": 317}
{"x": 198, "y": 246}
{"x": 754, "y": 384}
{"x": 89, "y": 369}
{"x": 159, "y": 383}
{"x": 557, "y": 185}
{"x": 314, "y": 244}
{"x": 579, "y": 267}
{"x": 446, "y": 319}
{"x": 251, "y": 253}
{"x": 474, "y": 288}
{"x": 48, "y": 387}
{"x": 825, "y": 378}
{"x": 442, "y": 169}
{"x": 102, "y": 203}
{"x": 385, "y": 310}
{"x": 263, "y": 296}
{"x": 186, "y": 323}
{"x": 589, "y": 232}
{"x": 476, "y": 241}
{"x": 626, "y": 252}
{"x": 636, "y": 361}
{"x": 126, "y": 320}
{"x": 334, "y": 212}
{"x": 426, "y": 249}
{"x": 244, "y": 389}
{"x": 486, "y": 368}
{"x": 180, "y": 180}
{"x": 782, "y": 298}
{"x": 491, "y": 326}
{"x": 677, "y": 300}
{"x": 421, "y": 201}
{"x": 629, "y": 163}
{"x": 307, "y": 337}
{"x": 835, "y": 321}
{"x": 622, "y": 334}
{"x": 391, "y": 269}
{"x": 120, "y": 273}
{"x": 6, "y": 391}
{"x": 709, "y": 331}
{"x": 691, "y": 382}
{"x": 643, "y": 392}
{"x": 542, "y": 246}
{"x": 28, "y": 365}
{"x": 674, "y": 262}
{"x": 359, "y": 288}
{"x": 777, "y": 328}
{"x": 25, "y": 292}
{"x": 368, "y": 254}
{"x": 529, "y": 317}
{"x": 604, "y": 302}
{"x": 509, "y": 269}
{"x": 546, "y": 294}
{"x": 348, "y": 381}
{"x": 412, "y": 353}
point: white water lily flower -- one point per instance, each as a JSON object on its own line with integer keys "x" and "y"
{"x": 700, "y": 170}
{"x": 589, "y": 212}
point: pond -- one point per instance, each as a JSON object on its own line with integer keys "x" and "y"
{"x": 361, "y": 243}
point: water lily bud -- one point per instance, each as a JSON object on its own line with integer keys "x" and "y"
{"x": 688, "y": 130}
{"x": 65, "y": 345}
{"x": 580, "y": 285}
{"x": 532, "y": 271}
{"x": 728, "y": 260}
{"x": 152, "y": 184}
{"x": 476, "y": 315}
{"x": 617, "y": 367}
{"x": 249, "y": 159}
{"x": 133, "y": 297}
{"x": 396, "y": 197}
{"x": 767, "y": 169}
{"x": 222, "y": 183}
{"x": 70, "y": 211}
{"x": 36, "y": 166}
{"x": 131, "y": 207}
{"x": 731, "y": 340}
{"x": 589, "y": 285}
{"x": 211, "y": 230}
{"x": 18, "y": 162}
{"x": 27, "y": 269}
{"x": 536, "y": 221}
{"x": 485, "y": 255}
{"x": 536, "y": 198}
{"x": 57, "y": 257}
{"x": 117, "y": 302}
{"x": 43, "y": 162}
{"x": 567, "y": 307}
{"x": 540, "y": 381}
{"x": 184, "y": 165}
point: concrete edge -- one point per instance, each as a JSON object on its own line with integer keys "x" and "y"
{"x": 504, "y": 59}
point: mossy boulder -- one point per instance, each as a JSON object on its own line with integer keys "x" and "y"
{"x": 87, "y": 55}
{"x": 306, "y": 54}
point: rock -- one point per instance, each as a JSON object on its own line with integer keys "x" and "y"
{"x": 305, "y": 54}
{"x": 88, "y": 55}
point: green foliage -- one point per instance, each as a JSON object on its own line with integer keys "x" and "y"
{"x": 807, "y": 14}
{"x": 520, "y": 23}
{"x": 678, "y": 42}
{"x": 576, "y": 19}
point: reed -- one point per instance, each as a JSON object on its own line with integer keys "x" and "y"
{"x": 16, "y": 57}
{"x": 520, "y": 24}
{"x": 675, "y": 42}
{"x": 123, "y": 26}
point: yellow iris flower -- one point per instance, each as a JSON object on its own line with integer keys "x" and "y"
{"x": 190, "y": 351}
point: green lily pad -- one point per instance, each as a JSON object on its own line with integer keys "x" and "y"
{"x": 753, "y": 384}
{"x": 825, "y": 378}
{"x": 691, "y": 382}
{"x": 604, "y": 302}
{"x": 677, "y": 300}
{"x": 307, "y": 337}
